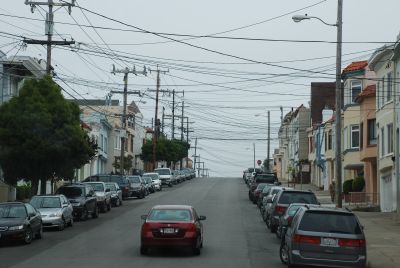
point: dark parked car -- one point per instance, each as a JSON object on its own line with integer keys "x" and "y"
{"x": 56, "y": 210}
{"x": 267, "y": 178}
{"x": 122, "y": 181}
{"x": 82, "y": 198}
{"x": 320, "y": 236}
{"x": 254, "y": 195}
{"x": 137, "y": 187}
{"x": 19, "y": 221}
{"x": 263, "y": 194}
{"x": 172, "y": 226}
{"x": 282, "y": 201}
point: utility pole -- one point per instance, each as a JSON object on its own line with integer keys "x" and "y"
{"x": 49, "y": 26}
{"x": 156, "y": 123}
{"x": 269, "y": 142}
{"x": 162, "y": 122}
{"x": 173, "y": 114}
{"x": 338, "y": 117}
{"x": 195, "y": 155}
{"x": 183, "y": 108}
{"x": 125, "y": 71}
{"x": 187, "y": 138}
{"x": 198, "y": 169}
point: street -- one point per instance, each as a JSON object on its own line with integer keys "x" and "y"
{"x": 235, "y": 235}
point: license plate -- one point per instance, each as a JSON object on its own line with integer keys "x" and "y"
{"x": 329, "y": 242}
{"x": 169, "y": 230}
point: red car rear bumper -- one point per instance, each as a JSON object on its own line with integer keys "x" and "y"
{"x": 188, "y": 240}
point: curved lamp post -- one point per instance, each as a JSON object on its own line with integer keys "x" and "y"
{"x": 338, "y": 115}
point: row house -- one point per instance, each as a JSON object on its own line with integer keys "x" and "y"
{"x": 383, "y": 63}
{"x": 14, "y": 71}
{"x": 356, "y": 76}
{"x": 293, "y": 143}
{"x": 104, "y": 119}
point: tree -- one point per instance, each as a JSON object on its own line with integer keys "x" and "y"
{"x": 41, "y": 136}
{"x": 166, "y": 150}
{"x": 127, "y": 163}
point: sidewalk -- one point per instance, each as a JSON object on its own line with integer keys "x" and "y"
{"x": 382, "y": 231}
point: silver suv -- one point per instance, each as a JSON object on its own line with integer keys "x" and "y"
{"x": 320, "y": 236}
{"x": 103, "y": 195}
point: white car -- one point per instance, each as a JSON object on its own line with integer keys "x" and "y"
{"x": 156, "y": 180}
{"x": 165, "y": 176}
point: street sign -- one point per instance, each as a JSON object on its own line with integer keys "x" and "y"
{"x": 259, "y": 162}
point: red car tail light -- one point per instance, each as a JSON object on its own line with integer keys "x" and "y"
{"x": 125, "y": 188}
{"x": 280, "y": 209}
{"x": 146, "y": 228}
{"x": 306, "y": 239}
{"x": 357, "y": 243}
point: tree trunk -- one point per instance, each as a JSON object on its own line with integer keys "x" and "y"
{"x": 34, "y": 186}
{"x": 43, "y": 183}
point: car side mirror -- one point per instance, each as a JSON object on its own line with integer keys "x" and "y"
{"x": 143, "y": 217}
{"x": 65, "y": 205}
{"x": 202, "y": 218}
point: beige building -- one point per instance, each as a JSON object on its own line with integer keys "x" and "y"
{"x": 368, "y": 150}
{"x": 356, "y": 76}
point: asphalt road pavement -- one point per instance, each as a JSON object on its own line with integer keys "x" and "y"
{"x": 234, "y": 234}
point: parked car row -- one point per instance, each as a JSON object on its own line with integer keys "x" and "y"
{"x": 310, "y": 234}
{"x": 79, "y": 201}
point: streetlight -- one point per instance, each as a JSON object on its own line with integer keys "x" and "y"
{"x": 338, "y": 116}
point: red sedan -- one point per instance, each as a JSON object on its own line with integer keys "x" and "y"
{"x": 172, "y": 226}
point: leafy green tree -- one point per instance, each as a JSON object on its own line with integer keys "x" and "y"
{"x": 41, "y": 136}
{"x": 166, "y": 150}
{"x": 127, "y": 163}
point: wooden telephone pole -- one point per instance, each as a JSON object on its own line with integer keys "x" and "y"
{"x": 49, "y": 28}
{"x": 125, "y": 71}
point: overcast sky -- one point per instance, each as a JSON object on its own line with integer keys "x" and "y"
{"x": 229, "y": 84}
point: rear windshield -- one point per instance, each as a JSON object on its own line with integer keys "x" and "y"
{"x": 329, "y": 222}
{"x": 170, "y": 215}
{"x": 98, "y": 187}
{"x": 71, "y": 192}
{"x": 265, "y": 178}
{"x": 293, "y": 209}
{"x": 135, "y": 179}
{"x": 163, "y": 171}
{"x": 261, "y": 186}
{"x": 267, "y": 187}
{"x": 118, "y": 179}
{"x": 45, "y": 202}
{"x": 297, "y": 197}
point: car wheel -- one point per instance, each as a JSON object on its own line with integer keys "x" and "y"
{"x": 39, "y": 234}
{"x": 28, "y": 235}
{"x": 95, "y": 213}
{"x": 103, "y": 208}
{"x": 196, "y": 251}
{"x": 62, "y": 224}
{"x": 283, "y": 253}
{"x": 272, "y": 228}
{"x": 268, "y": 222}
{"x": 71, "y": 222}
{"x": 143, "y": 250}
{"x": 85, "y": 214}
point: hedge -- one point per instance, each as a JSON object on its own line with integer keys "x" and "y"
{"x": 348, "y": 186}
{"x": 358, "y": 184}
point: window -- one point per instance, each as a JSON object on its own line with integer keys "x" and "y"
{"x": 117, "y": 142}
{"x": 389, "y": 87}
{"x": 382, "y": 138}
{"x": 361, "y": 135}
{"x": 355, "y": 136}
{"x": 101, "y": 142}
{"x": 371, "y": 135}
{"x": 355, "y": 89}
{"x": 378, "y": 95}
{"x": 390, "y": 138}
{"x": 311, "y": 144}
{"x": 345, "y": 138}
{"x": 105, "y": 144}
{"x": 330, "y": 140}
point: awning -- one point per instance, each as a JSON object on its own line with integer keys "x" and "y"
{"x": 354, "y": 166}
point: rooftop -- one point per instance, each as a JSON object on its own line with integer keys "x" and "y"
{"x": 355, "y": 66}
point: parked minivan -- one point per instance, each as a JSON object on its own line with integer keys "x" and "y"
{"x": 165, "y": 175}
{"x": 122, "y": 181}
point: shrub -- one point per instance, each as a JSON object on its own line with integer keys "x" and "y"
{"x": 358, "y": 184}
{"x": 348, "y": 186}
{"x": 23, "y": 192}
